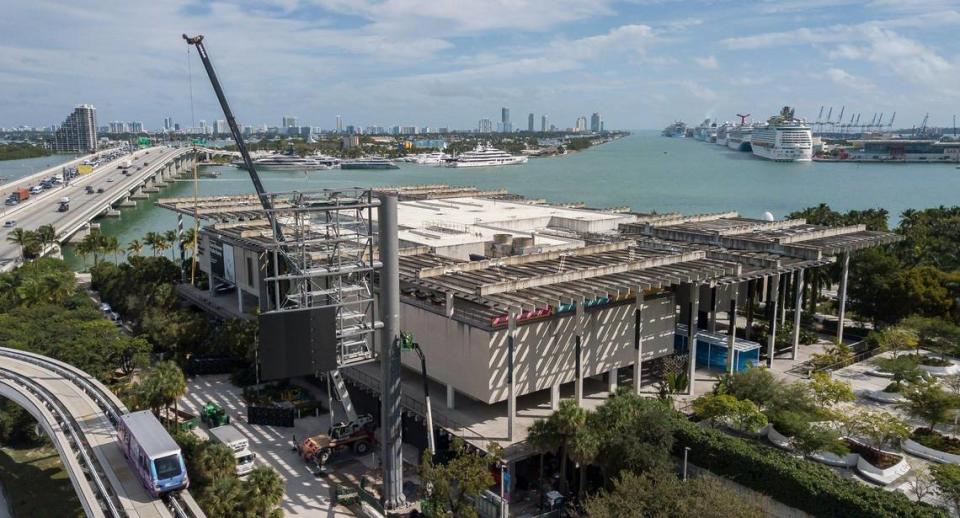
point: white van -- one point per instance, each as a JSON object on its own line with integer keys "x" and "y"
{"x": 36, "y": 189}
{"x": 229, "y": 435}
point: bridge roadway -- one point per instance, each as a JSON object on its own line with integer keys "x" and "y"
{"x": 157, "y": 165}
{"x": 85, "y": 438}
{"x": 35, "y": 178}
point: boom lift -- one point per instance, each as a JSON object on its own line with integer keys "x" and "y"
{"x": 353, "y": 421}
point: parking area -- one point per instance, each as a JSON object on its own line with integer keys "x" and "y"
{"x": 306, "y": 493}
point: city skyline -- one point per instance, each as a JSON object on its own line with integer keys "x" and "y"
{"x": 647, "y": 62}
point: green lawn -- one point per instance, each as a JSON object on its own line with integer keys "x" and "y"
{"x": 36, "y": 484}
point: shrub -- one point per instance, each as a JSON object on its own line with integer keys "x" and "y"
{"x": 799, "y": 483}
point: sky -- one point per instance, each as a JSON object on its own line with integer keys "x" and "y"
{"x": 449, "y": 63}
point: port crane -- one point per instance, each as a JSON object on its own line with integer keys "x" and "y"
{"x": 197, "y": 41}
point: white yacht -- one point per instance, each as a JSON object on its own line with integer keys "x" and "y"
{"x": 287, "y": 162}
{"x": 484, "y": 156}
{"x": 435, "y": 158}
{"x": 784, "y": 139}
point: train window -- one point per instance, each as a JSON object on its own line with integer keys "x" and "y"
{"x": 167, "y": 467}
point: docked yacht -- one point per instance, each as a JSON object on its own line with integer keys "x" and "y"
{"x": 435, "y": 158}
{"x": 370, "y": 162}
{"x": 288, "y": 161}
{"x": 784, "y": 138}
{"x": 484, "y": 156}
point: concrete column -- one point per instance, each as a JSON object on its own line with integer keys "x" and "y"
{"x": 751, "y": 295}
{"x": 785, "y": 287}
{"x": 772, "y": 315}
{"x": 578, "y": 353}
{"x": 555, "y": 396}
{"x": 732, "y": 333}
{"x": 842, "y": 296}
{"x": 638, "y": 341}
{"x": 692, "y": 311}
{"x": 240, "y": 299}
{"x": 448, "y": 305}
{"x": 511, "y": 384}
{"x": 212, "y": 284}
{"x": 451, "y": 396}
{"x": 712, "y": 316}
{"x": 797, "y": 310}
{"x": 612, "y": 381}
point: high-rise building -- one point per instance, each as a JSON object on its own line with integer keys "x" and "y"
{"x": 485, "y": 126}
{"x": 118, "y": 127}
{"x": 289, "y": 121}
{"x": 176, "y": 126}
{"x": 530, "y": 123}
{"x": 203, "y": 127}
{"x": 543, "y": 123}
{"x": 581, "y": 124}
{"x": 78, "y": 133}
{"x": 505, "y": 120}
{"x": 339, "y": 124}
{"x": 220, "y": 127}
{"x": 595, "y": 122}
{"x": 136, "y": 127}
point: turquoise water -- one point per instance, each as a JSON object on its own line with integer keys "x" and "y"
{"x": 644, "y": 171}
{"x": 14, "y": 169}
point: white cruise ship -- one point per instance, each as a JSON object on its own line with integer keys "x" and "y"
{"x": 484, "y": 156}
{"x": 723, "y": 132}
{"x": 738, "y": 138}
{"x": 784, "y": 139}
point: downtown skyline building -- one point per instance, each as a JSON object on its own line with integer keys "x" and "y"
{"x": 485, "y": 126}
{"x": 530, "y": 122}
{"x": 596, "y": 123}
{"x": 78, "y": 133}
{"x": 505, "y": 125}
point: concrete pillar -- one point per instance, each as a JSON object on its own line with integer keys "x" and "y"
{"x": 732, "y": 333}
{"x": 448, "y": 305}
{"x": 511, "y": 385}
{"x": 612, "y": 381}
{"x": 797, "y": 310}
{"x": 751, "y": 295}
{"x": 555, "y": 396}
{"x": 578, "y": 352}
{"x": 638, "y": 341}
{"x": 451, "y": 396}
{"x": 712, "y": 316}
{"x": 772, "y": 315}
{"x": 692, "y": 311}
{"x": 784, "y": 298}
{"x": 212, "y": 285}
{"x": 842, "y": 295}
{"x": 240, "y": 299}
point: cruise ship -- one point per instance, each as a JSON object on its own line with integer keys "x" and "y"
{"x": 784, "y": 139}
{"x": 677, "y": 129}
{"x": 484, "y": 156}
{"x": 738, "y": 137}
{"x": 372, "y": 162}
{"x": 288, "y": 161}
{"x": 723, "y": 132}
{"x": 702, "y": 131}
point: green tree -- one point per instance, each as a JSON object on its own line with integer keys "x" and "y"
{"x": 928, "y": 402}
{"x": 449, "y": 488}
{"x": 170, "y": 238}
{"x": 947, "y": 478}
{"x": 880, "y": 428}
{"x": 135, "y": 247}
{"x": 23, "y": 239}
{"x": 213, "y": 462}
{"x": 264, "y": 493}
{"x": 223, "y": 498}
{"x": 635, "y": 434}
{"x": 584, "y": 448}
{"x": 46, "y": 235}
{"x": 755, "y": 384}
{"x": 562, "y": 424}
{"x": 813, "y": 438}
{"x": 162, "y": 386}
{"x": 828, "y": 391}
{"x": 155, "y": 241}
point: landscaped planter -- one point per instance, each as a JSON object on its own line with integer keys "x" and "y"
{"x": 940, "y": 371}
{"x": 778, "y": 439}
{"x": 884, "y": 397}
{"x": 914, "y": 448}
{"x": 832, "y": 459}
{"x": 879, "y": 373}
{"x": 882, "y": 476}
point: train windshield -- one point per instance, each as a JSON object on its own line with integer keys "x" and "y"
{"x": 167, "y": 467}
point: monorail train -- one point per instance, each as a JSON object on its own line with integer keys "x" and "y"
{"x": 152, "y": 453}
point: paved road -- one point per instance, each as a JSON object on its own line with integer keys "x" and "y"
{"x": 42, "y": 209}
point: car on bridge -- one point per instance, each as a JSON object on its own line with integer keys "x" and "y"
{"x": 10, "y": 223}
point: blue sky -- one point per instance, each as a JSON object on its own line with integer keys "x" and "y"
{"x": 641, "y": 63}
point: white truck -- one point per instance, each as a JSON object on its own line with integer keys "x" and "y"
{"x": 125, "y": 163}
{"x": 229, "y": 435}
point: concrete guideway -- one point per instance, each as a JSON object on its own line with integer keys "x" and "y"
{"x": 163, "y": 165}
{"x": 84, "y": 434}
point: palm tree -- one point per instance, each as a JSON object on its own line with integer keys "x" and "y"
{"x": 584, "y": 447}
{"x": 112, "y": 245}
{"x": 47, "y": 235}
{"x": 264, "y": 491}
{"x": 93, "y": 243}
{"x": 215, "y": 461}
{"x": 135, "y": 247}
{"x": 564, "y": 423}
{"x": 154, "y": 241}
{"x": 31, "y": 291}
{"x": 170, "y": 237}
{"x": 542, "y": 438}
{"x": 173, "y": 385}
{"x": 187, "y": 240}
{"x": 24, "y": 239}
{"x": 817, "y": 279}
{"x": 59, "y": 286}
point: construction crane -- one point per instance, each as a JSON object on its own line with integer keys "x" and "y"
{"x": 334, "y": 376}
{"x": 743, "y": 119}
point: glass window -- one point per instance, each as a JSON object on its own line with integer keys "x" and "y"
{"x": 167, "y": 467}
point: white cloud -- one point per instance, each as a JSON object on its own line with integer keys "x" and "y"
{"x": 708, "y": 62}
{"x": 846, "y": 79}
{"x": 698, "y": 90}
